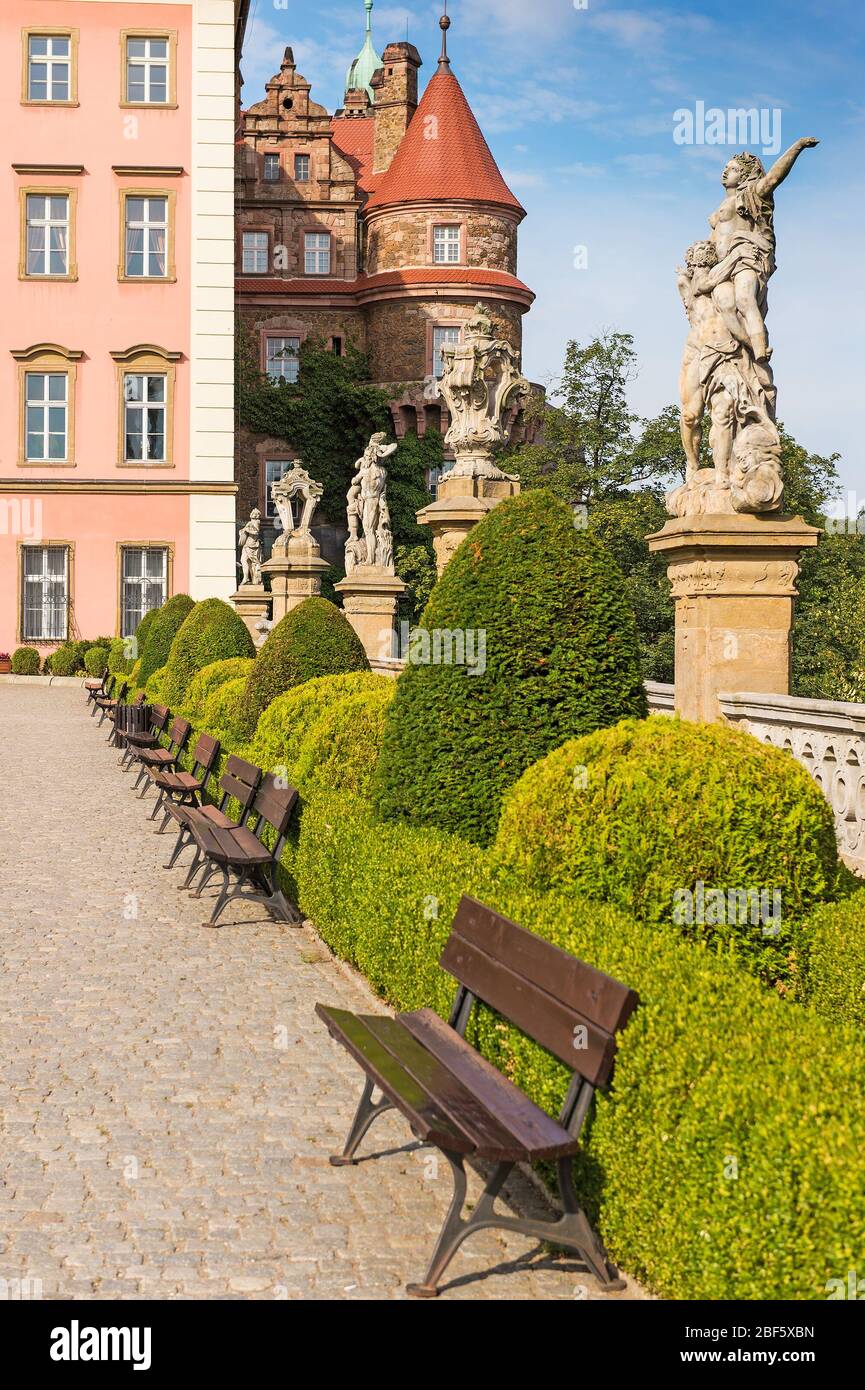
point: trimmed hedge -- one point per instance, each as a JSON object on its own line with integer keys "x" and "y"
{"x": 340, "y": 751}
{"x": 561, "y": 658}
{"x": 160, "y": 632}
{"x": 154, "y": 687}
{"x": 208, "y": 679}
{"x": 25, "y": 661}
{"x": 222, "y": 713}
{"x": 287, "y": 720}
{"x": 96, "y": 661}
{"x": 68, "y": 659}
{"x": 119, "y": 664}
{"x": 640, "y": 814}
{"x": 212, "y": 631}
{"x": 726, "y": 1161}
{"x": 314, "y": 639}
{"x": 143, "y": 629}
{"x": 833, "y": 950}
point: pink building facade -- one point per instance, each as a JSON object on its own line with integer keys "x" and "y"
{"x": 116, "y": 337}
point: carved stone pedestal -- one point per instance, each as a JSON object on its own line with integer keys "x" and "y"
{"x": 734, "y": 582}
{"x": 295, "y": 569}
{"x": 461, "y": 503}
{"x": 252, "y": 603}
{"x": 369, "y": 596}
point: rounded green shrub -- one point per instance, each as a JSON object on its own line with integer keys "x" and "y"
{"x": 222, "y": 713}
{"x": 314, "y": 639}
{"x": 64, "y": 661}
{"x": 287, "y": 719}
{"x": 25, "y": 661}
{"x": 212, "y": 631}
{"x": 699, "y": 825}
{"x": 154, "y": 687}
{"x": 119, "y": 664}
{"x": 160, "y": 633}
{"x": 96, "y": 661}
{"x": 340, "y": 751}
{"x": 527, "y": 639}
{"x": 208, "y": 679}
{"x": 832, "y": 946}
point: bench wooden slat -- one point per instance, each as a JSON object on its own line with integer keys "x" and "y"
{"x": 596, "y": 996}
{"x": 424, "y": 1116}
{"x": 539, "y": 1134}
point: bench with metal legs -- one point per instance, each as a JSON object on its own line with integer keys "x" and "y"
{"x": 96, "y": 688}
{"x": 239, "y": 782}
{"x": 145, "y": 738}
{"x": 185, "y": 788}
{"x": 456, "y": 1100}
{"x": 153, "y": 760}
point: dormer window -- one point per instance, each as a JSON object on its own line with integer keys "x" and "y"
{"x": 447, "y": 244}
{"x": 271, "y": 167}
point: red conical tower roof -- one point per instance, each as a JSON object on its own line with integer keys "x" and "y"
{"x": 443, "y": 154}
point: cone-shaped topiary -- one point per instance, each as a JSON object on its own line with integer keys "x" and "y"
{"x": 212, "y": 631}
{"x": 287, "y": 720}
{"x": 340, "y": 750}
{"x": 699, "y": 825}
{"x": 160, "y": 633}
{"x": 527, "y": 639}
{"x": 142, "y": 630}
{"x": 208, "y": 679}
{"x": 314, "y": 639}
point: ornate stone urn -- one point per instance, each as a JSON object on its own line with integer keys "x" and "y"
{"x": 295, "y": 566}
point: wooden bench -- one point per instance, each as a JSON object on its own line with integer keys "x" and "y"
{"x": 239, "y": 781}
{"x": 239, "y": 854}
{"x": 457, "y": 1101}
{"x": 106, "y": 704}
{"x": 146, "y": 738}
{"x": 184, "y": 788}
{"x": 98, "y": 687}
{"x": 159, "y": 759}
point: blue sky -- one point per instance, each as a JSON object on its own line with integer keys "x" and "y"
{"x": 577, "y": 100}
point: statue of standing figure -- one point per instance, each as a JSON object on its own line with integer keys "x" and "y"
{"x": 249, "y": 542}
{"x": 370, "y": 541}
{"x": 725, "y": 369}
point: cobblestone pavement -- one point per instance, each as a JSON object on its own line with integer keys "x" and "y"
{"x": 168, "y": 1098}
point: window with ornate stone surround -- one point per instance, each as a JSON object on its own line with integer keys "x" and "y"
{"x": 45, "y": 588}
{"x": 148, "y": 67}
{"x": 49, "y": 66}
{"x": 143, "y": 581}
{"x": 47, "y": 242}
{"x": 46, "y": 405}
{"x": 145, "y": 425}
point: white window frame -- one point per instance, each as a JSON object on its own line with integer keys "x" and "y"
{"x": 283, "y": 364}
{"x": 149, "y": 62}
{"x": 253, "y": 246}
{"x": 50, "y": 60}
{"x": 270, "y": 160}
{"x": 147, "y": 223}
{"x": 442, "y": 333}
{"x": 44, "y": 404}
{"x": 143, "y": 583}
{"x": 447, "y": 243}
{"x": 270, "y": 512}
{"x": 53, "y": 625}
{"x": 302, "y": 168}
{"x": 141, "y": 407}
{"x": 48, "y": 223}
{"x": 316, "y": 253}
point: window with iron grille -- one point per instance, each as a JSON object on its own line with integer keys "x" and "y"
{"x": 46, "y": 416}
{"x": 143, "y": 584}
{"x": 317, "y": 253}
{"x": 441, "y": 336}
{"x": 47, "y": 234}
{"x": 446, "y": 245}
{"x": 44, "y": 593}
{"x": 147, "y": 70}
{"x": 144, "y": 396}
{"x": 281, "y": 359}
{"x": 255, "y": 257}
{"x": 146, "y": 238}
{"x": 301, "y": 168}
{"x": 48, "y": 67}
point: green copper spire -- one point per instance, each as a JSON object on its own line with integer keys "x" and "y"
{"x": 360, "y": 73}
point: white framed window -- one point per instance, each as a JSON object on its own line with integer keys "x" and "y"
{"x": 144, "y": 420}
{"x": 274, "y": 469}
{"x": 47, "y": 246}
{"x": 46, "y": 404}
{"x": 442, "y": 335}
{"x": 301, "y": 168}
{"x": 271, "y": 167}
{"x": 147, "y": 70}
{"x": 255, "y": 253}
{"x": 143, "y": 584}
{"x": 44, "y": 593}
{"x": 433, "y": 478}
{"x": 282, "y": 362}
{"x": 146, "y": 237}
{"x": 49, "y": 67}
{"x": 446, "y": 245}
{"x": 316, "y": 247}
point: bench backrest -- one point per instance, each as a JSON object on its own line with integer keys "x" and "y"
{"x": 240, "y": 780}
{"x": 274, "y": 803}
{"x": 120, "y": 692}
{"x": 571, "y": 1009}
{"x": 159, "y": 718}
{"x": 204, "y": 754}
{"x": 179, "y": 732}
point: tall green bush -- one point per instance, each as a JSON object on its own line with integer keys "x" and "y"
{"x": 223, "y": 714}
{"x": 211, "y": 631}
{"x": 340, "y": 750}
{"x": 556, "y": 654}
{"x": 832, "y": 946}
{"x": 287, "y": 720}
{"x": 119, "y": 664}
{"x": 160, "y": 633}
{"x": 208, "y": 679}
{"x": 314, "y": 639}
{"x": 642, "y": 814}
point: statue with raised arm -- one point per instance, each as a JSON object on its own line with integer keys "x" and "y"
{"x": 369, "y": 535}
{"x": 249, "y": 542}
{"x": 726, "y": 366}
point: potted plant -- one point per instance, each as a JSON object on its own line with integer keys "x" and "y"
{"x": 5, "y": 663}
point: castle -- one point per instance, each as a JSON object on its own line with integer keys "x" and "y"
{"x": 383, "y": 224}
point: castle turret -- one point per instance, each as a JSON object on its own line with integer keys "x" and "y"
{"x": 360, "y": 74}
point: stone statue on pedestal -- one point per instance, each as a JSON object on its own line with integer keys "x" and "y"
{"x": 481, "y": 379}
{"x": 296, "y": 482}
{"x": 370, "y": 541}
{"x": 249, "y": 542}
{"x": 726, "y": 366}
